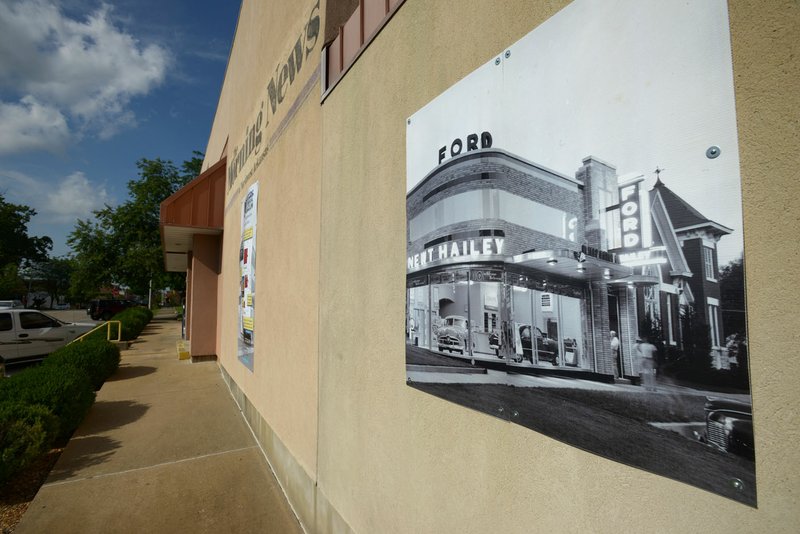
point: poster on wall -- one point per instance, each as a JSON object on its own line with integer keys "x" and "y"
{"x": 247, "y": 277}
{"x": 574, "y": 241}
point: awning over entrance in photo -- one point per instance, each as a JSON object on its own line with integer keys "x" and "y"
{"x": 564, "y": 263}
{"x": 196, "y": 209}
{"x": 635, "y": 280}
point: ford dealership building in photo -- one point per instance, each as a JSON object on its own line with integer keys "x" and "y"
{"x": 540, "y": 267}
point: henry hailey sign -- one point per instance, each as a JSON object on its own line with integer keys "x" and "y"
{"x": 456, "y": 249}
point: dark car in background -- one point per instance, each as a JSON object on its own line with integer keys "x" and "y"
{"x": 546, "y": 348}
{"x": 729, "y": 426}
{"x": 105, "y": 309}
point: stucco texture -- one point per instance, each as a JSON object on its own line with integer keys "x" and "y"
{"x": 283, "y": 384}
{"x": 329, "y": 374}
{"x": 392, "y": 459}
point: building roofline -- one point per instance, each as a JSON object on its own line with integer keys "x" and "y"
{"x": 721, "y": 229}
{"x": 483, "y": 152}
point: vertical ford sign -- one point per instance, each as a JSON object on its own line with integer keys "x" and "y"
{"x": 630, "y": 216}
{"x": 247, "y": 277}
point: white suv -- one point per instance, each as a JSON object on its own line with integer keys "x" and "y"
{"x": 30, "y": 334}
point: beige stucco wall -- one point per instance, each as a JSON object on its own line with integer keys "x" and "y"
{"x": 766, "y": 48}
{"x": 394, "y": 459}
{"x": 283, "y": 384}
{"x": 331, "y": 278}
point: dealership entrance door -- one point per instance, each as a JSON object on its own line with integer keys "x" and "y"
{"x": 613, "y": 325}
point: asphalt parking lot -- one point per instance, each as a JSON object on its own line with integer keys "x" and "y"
{"x": 71, "y": 316}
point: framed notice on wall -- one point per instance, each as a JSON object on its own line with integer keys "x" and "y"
{"x": 247, "y": 277}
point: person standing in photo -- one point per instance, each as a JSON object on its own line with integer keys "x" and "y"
{"x": 615, "y": 353}
{"x": 646, "y": 353}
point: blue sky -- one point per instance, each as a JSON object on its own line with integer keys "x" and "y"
{"x": 87, "y": 88}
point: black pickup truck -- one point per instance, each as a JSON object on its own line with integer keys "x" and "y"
{"x": 105, "y": 309}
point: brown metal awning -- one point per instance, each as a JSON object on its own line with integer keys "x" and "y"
{"x": 196, "y": 208}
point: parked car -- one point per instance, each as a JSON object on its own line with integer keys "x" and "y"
{"x": 452, "y": 334}
{"x": 546, "y": 347}
{"x": 729, "y": 426}
{"x": 30, "y": 334}
{"x": 105, "y": 309}
{"x": 11, "y": 304}
{"x": 494, "y": 342}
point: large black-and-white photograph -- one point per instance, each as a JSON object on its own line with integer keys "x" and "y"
{"x": 574, "y": 241}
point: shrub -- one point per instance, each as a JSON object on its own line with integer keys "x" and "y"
{"x": 63, "y": 389}
{"x": 133, "y": 321}
{"x": 98, "y": 358}
{"x": 26, "y": 432}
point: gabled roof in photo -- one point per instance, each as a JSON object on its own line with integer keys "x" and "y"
{"x": 678, "y": 266}
{"x": 684, "y": 216}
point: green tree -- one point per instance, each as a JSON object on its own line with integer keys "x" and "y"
{"x": 15, "y": 243}
{"x": 16, "y": 246}
{"x": 51, "y": 276}
{"x": 123, "y": 244}
{"x": 93, "y": 260}
{"x": 11, "y": 285}
{"x": 192, "y": 167}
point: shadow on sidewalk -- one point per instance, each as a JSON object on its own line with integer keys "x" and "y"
{"x": 126, "y": 372}
{"x": 109, "y": 415}
{"x": 89, "y": 449}
{"x": 84, "y": 452}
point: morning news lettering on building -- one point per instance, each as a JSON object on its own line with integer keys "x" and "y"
{"x": 546, "y": 247}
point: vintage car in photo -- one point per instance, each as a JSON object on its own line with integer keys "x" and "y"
{"x": 729, "y": 426}
{"x": 452, "y": 334}
{"x": 31, "y": 334}
{"x": 547, "y": 348}
{"x": 495, "y": 343}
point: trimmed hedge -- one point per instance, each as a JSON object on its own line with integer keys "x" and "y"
{"x": 46, "y": 403}
{"x": 26, "y": 432}
{"x": 133, "y": 322}
{"x": 98, "y": 358}
{"x": 63, "y": 389}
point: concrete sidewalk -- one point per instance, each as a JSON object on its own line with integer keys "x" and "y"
{"x": 163, "y": 449}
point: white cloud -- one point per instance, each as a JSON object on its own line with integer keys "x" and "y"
{"x": 74, "y": 197}
{"x": 58, "y": 202}
{"x": 30, "y": 125}
{"x": 87, "y": 70}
